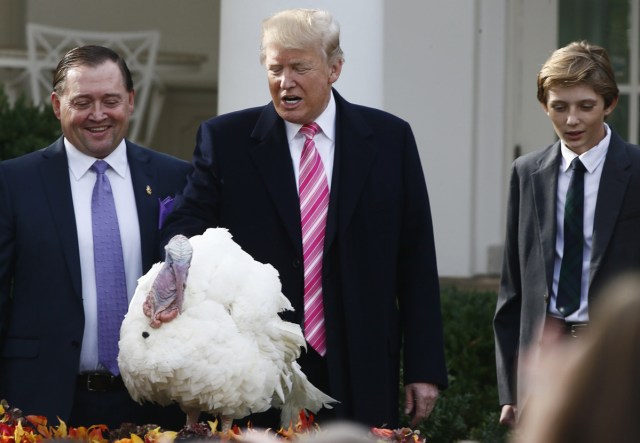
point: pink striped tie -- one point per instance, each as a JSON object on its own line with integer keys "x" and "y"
{"x": 314, "y": 201}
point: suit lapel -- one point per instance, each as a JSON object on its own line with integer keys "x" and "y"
{"x": 354, "y": 153}
{"x": 611, "y": 191}
{"x": 55, "y": 175}
{"x": 272, "y": 159}
{"x": 146, "y": 201}
{"x": 545, "y": 186}
{"x": 352, "y": 163}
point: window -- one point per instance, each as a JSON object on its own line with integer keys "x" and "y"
{"x": 615, "y": 25}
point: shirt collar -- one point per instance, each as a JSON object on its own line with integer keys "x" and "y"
{"x": 80, "y": 163}
{"x": 326, "y": 121}
{"x": 590, "y": 159}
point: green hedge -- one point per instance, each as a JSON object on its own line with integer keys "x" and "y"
{"x": 24, "y": 127}
{"x": 468, "y": 409}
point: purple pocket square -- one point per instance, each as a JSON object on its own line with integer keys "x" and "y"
{"x": 166, "y": 206}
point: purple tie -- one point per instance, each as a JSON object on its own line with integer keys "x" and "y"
{"x": 314, "y": 201}
{"x": 109, "y": 268}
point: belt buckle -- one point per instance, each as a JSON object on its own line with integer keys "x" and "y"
{"x": 97, "y": 382}
{"x": 578, "y": 329}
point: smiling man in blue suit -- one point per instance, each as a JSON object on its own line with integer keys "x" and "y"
{"x": 55, "y": 357}
{"x": 332, "y": 195}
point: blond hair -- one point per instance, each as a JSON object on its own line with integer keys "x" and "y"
{"x": 303, "y": 29}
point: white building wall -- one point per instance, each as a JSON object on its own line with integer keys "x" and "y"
{"x": 429, "y": 80}
{"x": 444, "y": 64}
{"x": 489, "y": 179}
{"x": 531, "y": 36}
{"x": 533, "y": 42}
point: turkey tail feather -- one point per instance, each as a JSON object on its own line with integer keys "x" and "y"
{"x": 303, "y": 396}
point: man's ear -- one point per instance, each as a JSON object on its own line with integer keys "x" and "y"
{"x": 544, "y": 107}
{"x": 335, "y": 70}
{"x": 55, "y": 103}
{"x": 611, "y": 107}
{"x": 131, "y": 100}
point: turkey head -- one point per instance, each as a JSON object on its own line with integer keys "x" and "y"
{"x": 164, "y": 300}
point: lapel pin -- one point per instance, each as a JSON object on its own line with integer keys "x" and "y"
{"x": 149, "y": 191}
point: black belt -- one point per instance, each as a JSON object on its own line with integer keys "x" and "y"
{"x": 100, "y": 382}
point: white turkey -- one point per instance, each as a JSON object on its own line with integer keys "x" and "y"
{"x": 203, "y": 330}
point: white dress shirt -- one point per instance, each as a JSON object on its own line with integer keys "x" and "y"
{"x": 325, "y": 141}
{"x": 593, "y": 161}
{"x": 82, "y": 180}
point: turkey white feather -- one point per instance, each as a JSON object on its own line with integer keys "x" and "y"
{"x": 203, "y": 330}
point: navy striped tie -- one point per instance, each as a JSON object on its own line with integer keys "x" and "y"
{"x": 570, "y": 283}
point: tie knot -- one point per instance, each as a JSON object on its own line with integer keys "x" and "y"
{"x": 309, "y": 130}
{"x": 577, "y": 165}
{"x": 100, "y": 166}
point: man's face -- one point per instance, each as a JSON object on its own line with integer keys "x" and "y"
{"x": 300, "y": 82}
{"x": 94, "y": 108}
{"x": 577, "y": 114}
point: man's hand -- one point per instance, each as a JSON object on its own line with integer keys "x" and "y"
{"x": 420, "y": 398}
{"x": 508, "y": 415}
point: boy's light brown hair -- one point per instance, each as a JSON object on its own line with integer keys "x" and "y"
{"x": 579, "y": 63}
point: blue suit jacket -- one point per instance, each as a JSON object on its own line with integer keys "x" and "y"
{"x": 527, "y": 275}
{"x": 41, "y": 310}
{"x": 380, "y": 278}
